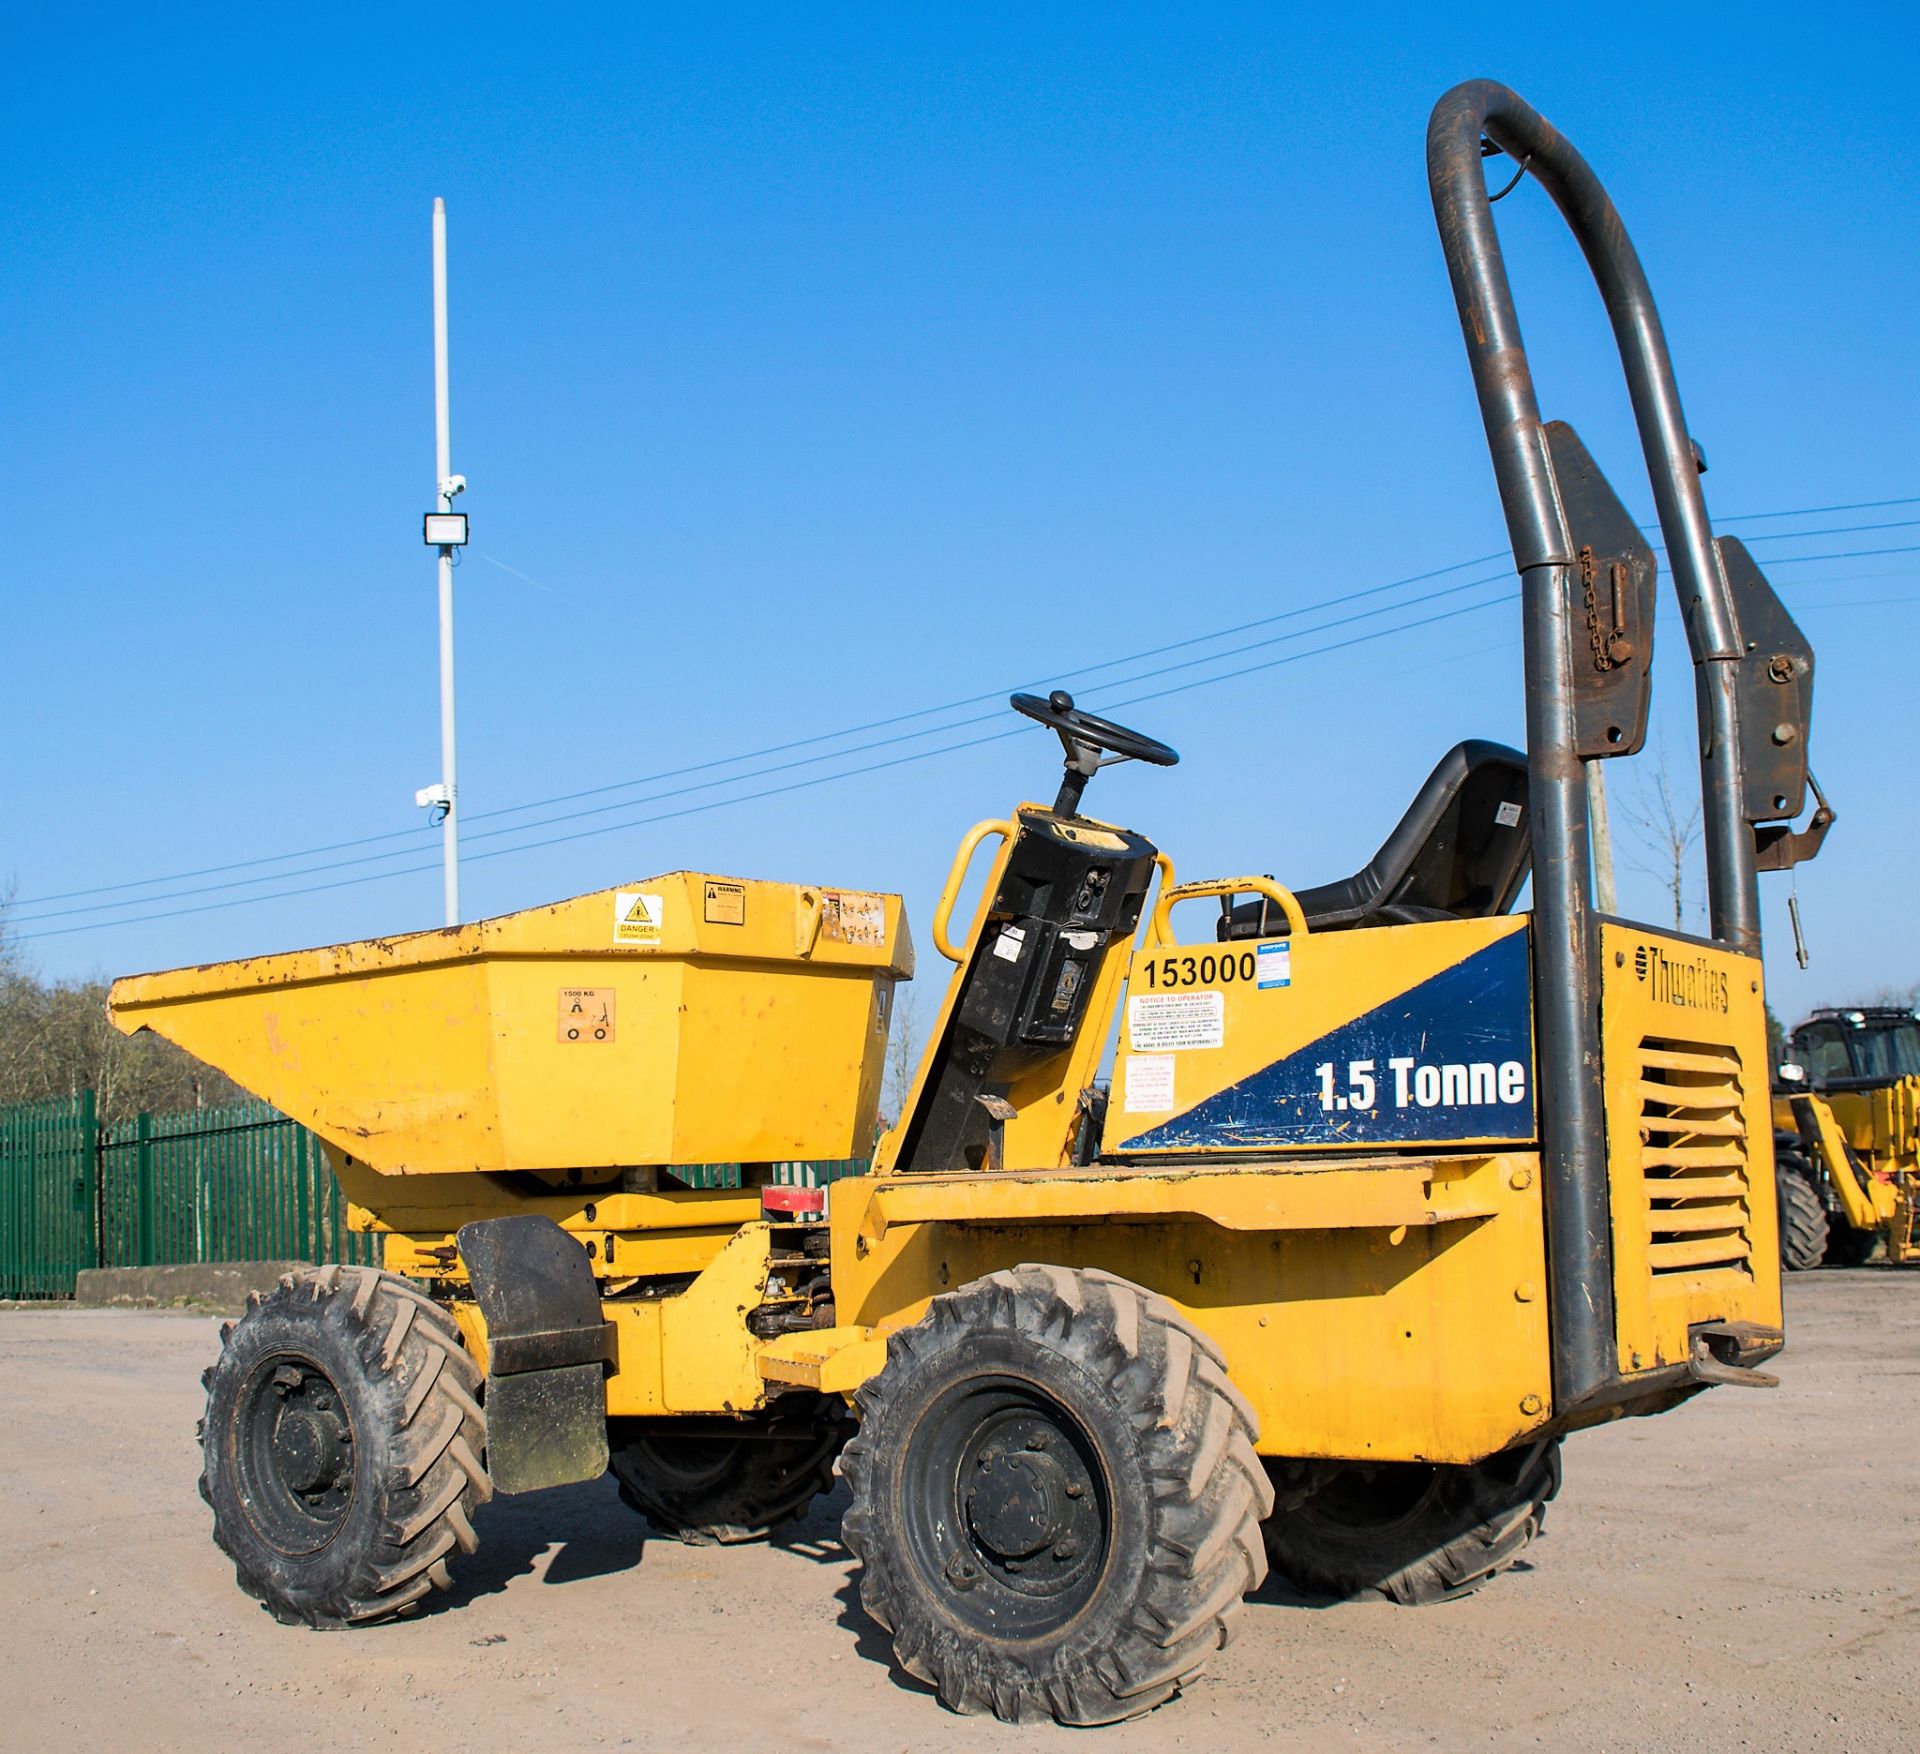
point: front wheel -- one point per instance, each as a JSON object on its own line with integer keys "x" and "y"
{"x": 343, "y": 1448}
{"x": 1415, "y": 1532}
{"x": 1056, "y": 1500}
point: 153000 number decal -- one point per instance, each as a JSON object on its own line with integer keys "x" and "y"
{"x": 1196, "y": 969}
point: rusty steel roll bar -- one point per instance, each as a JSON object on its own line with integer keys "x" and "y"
{"x": 1565, "y": 974}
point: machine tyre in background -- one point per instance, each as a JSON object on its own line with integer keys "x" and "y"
{"x": 1056, "y": 1499}
{"x": 1414, "y": 1532}
{"x": 712, "y": 1487}
{"x": 1803, "y": 1214}
{"x": 343, "y": 1448}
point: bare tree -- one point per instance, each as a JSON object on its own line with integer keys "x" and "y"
{"x": 56, "y": 1040}
{"x": 1664, "y": 830}
{"x": 903, "y": 1053}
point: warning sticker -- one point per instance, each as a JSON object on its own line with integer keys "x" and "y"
{"x": 636, "y": 917}
{"x": 726, "y": 904}
{"x": 1149, "y": 1084}
{"x": 1009, "y": 944}
{"x": 1273, "y": 965}
{"x": 1159, "y": 1021}
{"x": 1508, "y": 815}
{"x": 586, "y": 1013}
{"x": 849, "y": 918}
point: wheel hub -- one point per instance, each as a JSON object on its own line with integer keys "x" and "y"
{"x": 1030, "y": 1516}
{"x": 294, "y": 1452}
{"x": 310, "y": 1448}
{"x": 1018, "y": 1503}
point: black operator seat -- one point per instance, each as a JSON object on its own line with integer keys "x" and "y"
{"x": 1460, "y": 852}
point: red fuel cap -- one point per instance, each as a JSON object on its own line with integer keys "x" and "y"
{"x": 797, "y": 1202}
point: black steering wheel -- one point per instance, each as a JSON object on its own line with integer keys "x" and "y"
{"x": 1058, "y": 713}
{"x": 1084, "y": 737}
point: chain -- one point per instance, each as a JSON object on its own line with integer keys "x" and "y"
{"x": 1612, "y": 648}
{"x": 1589, "y": 574}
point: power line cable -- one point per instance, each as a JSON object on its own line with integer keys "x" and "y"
{"x": 756, "y": 773}
{"x": 838, "y": 754}
{"x": 750, "y": 797}
{"x": 758, "y": 754}
{"x": 734, "y": 761}
{"x": 856, "y": 730}
{"x": 790, "y": 787}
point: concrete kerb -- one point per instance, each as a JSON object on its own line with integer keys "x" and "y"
{"x": 218, "y": 1285}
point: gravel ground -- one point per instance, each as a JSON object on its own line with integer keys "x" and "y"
{"x": 1742, "y": 1573}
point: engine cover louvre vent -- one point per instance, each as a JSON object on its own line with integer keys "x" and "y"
{"x": 1693, "y": 1158}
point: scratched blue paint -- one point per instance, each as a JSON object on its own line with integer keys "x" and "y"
{"x": 1480, "y": 1011}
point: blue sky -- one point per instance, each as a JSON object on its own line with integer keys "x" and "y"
{"x": 814, "y": 367}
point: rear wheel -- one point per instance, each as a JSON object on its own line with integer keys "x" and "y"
{"x": 715, "y": 1484}
{"x": 1414, "y": 1532}
{"x": 1056, "y": 1499}
{"x": 343, "y": 1447}
{"x": 1803, "y": 1215}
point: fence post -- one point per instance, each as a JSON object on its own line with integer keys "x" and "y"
{"x": 303, "y": 1186}
{"x": 87, "y": 1251}
{"x": 144, "y": 1189}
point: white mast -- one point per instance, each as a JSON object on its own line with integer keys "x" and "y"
{"x": 446, "y": 795}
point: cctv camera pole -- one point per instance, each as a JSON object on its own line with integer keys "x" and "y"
{"x": 443, "y": 482}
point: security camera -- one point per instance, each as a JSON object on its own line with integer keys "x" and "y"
{"x": 454, "y": 484}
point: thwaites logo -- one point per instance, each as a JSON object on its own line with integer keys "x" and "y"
{"x": 1694, "y": 985}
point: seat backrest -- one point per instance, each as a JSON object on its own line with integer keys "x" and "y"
{"x": 1460, "y": 852}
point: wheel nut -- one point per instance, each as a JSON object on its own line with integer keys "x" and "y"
{"x": 1075, "y": 1489}
{"x": 1065, "y": 1550}
{"x": 1037, "y": 1441}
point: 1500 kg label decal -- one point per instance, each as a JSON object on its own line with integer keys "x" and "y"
{"x": 1449, "y": 1059}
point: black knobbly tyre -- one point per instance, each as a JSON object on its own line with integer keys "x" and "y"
{"x": 1803, "y": 1215}
{"x": 343, "y": 1448}
{"x": 716, "y": 1485}
{"x": 1056, "y": 1500}
{"x": 1414, "y": 1532}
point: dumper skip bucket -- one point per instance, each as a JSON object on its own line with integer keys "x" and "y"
{"x": 685, "y": 1019}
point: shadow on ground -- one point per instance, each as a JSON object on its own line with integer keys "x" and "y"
{"x": 591, "y": 1533}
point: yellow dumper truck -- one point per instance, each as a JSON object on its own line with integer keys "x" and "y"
{"x": 1389, "y": 1188}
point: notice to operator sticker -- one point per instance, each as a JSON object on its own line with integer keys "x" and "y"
{"x": 1157, "y": 1022}
{"x": 1149, "y": 1084}
{"x": 636, "y": 917}
{"x": 1273, "y": 965}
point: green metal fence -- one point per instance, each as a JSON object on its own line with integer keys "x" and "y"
{"x": 806, "y": 1175}
{"x": 49, "y": 1195}
{"x": 239, "y": 1183}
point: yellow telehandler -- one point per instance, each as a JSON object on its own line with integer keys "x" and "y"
{"x": 1391, "y": 1187}
{"x": 1846, "y": 1121}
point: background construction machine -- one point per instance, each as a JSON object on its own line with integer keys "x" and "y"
{"x": 1390, "y": 1189}
{"x": 1847, "y": 1137}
